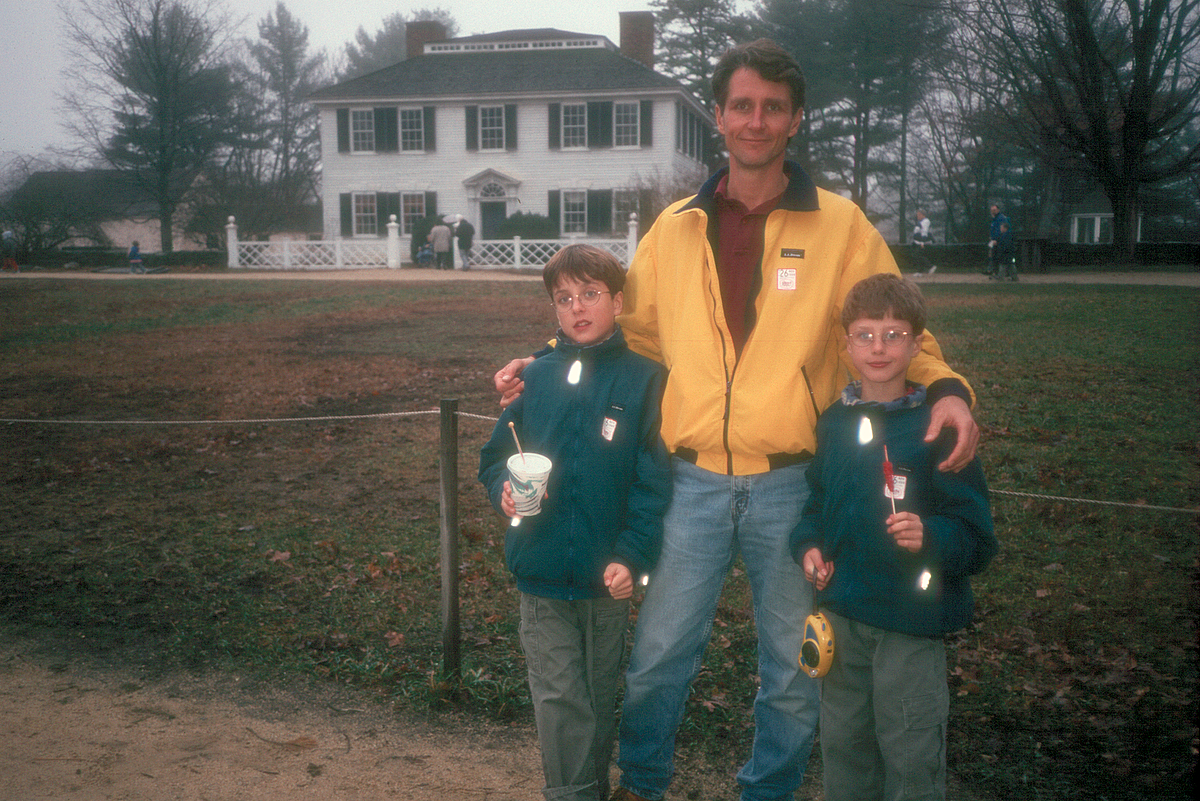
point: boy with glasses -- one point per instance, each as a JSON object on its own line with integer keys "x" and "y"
{"x": 890, "y": 543}
{"x": 591, "y": 406}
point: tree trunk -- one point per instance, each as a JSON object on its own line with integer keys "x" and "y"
{"x": 1123, "y": 197}
{"x": 166, "y": 226}
{"x": 902, "y": 211}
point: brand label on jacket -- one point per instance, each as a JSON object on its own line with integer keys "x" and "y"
{"x": 791, "y": 253}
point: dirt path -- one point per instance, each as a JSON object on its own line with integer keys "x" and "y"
{"x": 1189, "y": 279}
{"x": 75, "y": 730}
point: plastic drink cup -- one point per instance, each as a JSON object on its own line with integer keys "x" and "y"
{"x": 528, "y": 475}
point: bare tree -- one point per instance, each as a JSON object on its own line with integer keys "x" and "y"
{"x": 42, "y": 211}
{"x": 389, "y": 44}
{"x": 1112, "y": 85}
{"x": 151, "y": 91}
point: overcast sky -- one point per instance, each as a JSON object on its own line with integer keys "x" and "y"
{"x": 31, "y": 47}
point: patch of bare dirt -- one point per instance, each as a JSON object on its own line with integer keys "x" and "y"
{"x": 75, "y": 730}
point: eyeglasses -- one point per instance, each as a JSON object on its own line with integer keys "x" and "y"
{"x": 565, "y": 301}
{"x": 890, "y": 338}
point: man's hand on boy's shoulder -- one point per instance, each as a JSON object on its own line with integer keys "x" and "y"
{"x": 508, "y": 380}
{"x": 952, "y": 411}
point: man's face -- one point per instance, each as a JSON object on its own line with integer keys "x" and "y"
{"x": 995, "y": 210}
{"x": 757, "y": 120}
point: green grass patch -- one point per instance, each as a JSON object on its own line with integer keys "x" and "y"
{"x": 313, "y": 548}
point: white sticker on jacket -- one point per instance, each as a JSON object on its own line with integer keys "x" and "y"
{"x": 785, "y": 279}
{"x": 899, "y": 482}
{"x": 608, "y": 429}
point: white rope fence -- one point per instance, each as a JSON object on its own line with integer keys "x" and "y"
{"x": 392, "y": 415}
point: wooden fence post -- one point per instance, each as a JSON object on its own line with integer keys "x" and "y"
{"x": 451, "y": 662}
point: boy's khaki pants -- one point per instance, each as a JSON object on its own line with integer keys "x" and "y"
{"x": 884, "y": 709}
{"x": 573, "y": 650}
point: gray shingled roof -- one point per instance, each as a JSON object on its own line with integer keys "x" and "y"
{"x": 105, "y": 194}
{"x": 501, "y": 73}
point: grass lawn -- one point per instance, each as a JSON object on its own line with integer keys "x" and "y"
{"x": 284, "y": 547}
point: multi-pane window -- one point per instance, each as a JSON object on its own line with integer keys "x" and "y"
{"x": 412, "y": 208}
{"x": 625, "y": 125}
{"x": 362, "y": 130}
{"x": 574, "y": 125}
{"x": 574, "y": 212}
{"x": 625, "y": 202}
{"x": 689, "y": 133}
{"x": 1092, "y": 229}
{"x": 366, "y": 219}
{"x": 491, "y": 127}
{"x": 412, "y": 129}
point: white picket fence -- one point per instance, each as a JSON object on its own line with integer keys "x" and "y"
{"x": 356, "y": 254}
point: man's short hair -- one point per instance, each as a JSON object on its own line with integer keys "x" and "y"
{"x": 885, "y": 294}
{"x": 584, "y": 263}
{"x": 769, "y": 60}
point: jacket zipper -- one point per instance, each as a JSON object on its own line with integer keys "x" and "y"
{"x": 812, "y": 396}
{"x": 728, "y": 387}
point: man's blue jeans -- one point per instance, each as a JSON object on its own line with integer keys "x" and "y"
{"x": 711, "y": 519}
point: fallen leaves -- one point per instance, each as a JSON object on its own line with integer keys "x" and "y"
{"x": 296, "y": 745}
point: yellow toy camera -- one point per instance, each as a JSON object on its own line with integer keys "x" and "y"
{"x": 816, "y": 655}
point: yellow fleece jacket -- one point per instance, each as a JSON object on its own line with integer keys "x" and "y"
{"x": 741, "y": 414}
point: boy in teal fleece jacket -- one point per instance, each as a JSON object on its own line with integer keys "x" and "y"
{"x": 890, "y": 543}
{"x": 592, "y": 407}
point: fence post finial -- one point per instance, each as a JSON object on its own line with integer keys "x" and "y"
{"x": 231, "y": 242}
{"x": 393, "y": 243}
{"x": 631, "y": 239}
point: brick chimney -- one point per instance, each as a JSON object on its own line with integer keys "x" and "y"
{"x": 637, "y": 36}
{"x": 418, "y": 34}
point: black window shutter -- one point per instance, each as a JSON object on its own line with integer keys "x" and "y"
{"x": 343, "y": 129}
{"x": 386, "y": 130}
{"x": 553, "y": 209}
{"x": 600, "y": 124}
{"x": 472, "y": 128}
{"x": 555, "y": 126}
{"x": 646, "y": 123}
{"x": 599, "y": 211}
{"x": 347, "y": 214}
{"x": 430, "y": 203}
{"x": 430, "y": 129}
{"x": 386, "y": 204}
{"x": 510, "y": 127}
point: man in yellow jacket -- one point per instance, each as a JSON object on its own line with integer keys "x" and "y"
{"x": 738, "y": 291}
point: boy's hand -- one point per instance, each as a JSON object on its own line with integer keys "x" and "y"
{"x": 619, "y": 581}
{"x": 506, "y": 502}
{"x": 816, "y": 569}
{"x": 908, "y": 531}
{"x": 953, "y": 412}
{"x": 508, "y": 380}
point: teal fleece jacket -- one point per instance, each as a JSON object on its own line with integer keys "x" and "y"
{"x": 611, "y": 476}
{"x": 875, "y": 581}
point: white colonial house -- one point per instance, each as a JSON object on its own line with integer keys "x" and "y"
{"x": 566, "y": 125}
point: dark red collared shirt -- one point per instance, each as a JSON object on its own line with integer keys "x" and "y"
{"x": 739, "y": 253}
